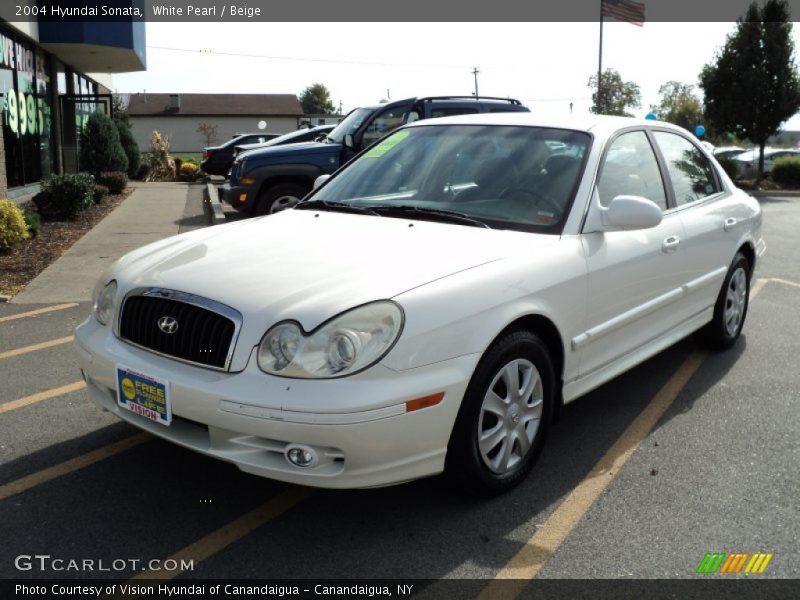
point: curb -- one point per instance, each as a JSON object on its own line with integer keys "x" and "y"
{"x": 214, "y": 206}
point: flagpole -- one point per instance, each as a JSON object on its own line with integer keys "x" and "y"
{"x": 600, "y": 57}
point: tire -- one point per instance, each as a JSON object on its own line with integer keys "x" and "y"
{"x": 731, "y": 308}
{"x": 279, "y": 197}
{"x": 503, "y": 459}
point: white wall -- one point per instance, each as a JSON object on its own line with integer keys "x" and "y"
{"x": 184, "y": 134}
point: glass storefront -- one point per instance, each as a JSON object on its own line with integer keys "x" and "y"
{"x": 27, "y": 91}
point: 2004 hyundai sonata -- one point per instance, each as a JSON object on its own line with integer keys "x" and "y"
{"x": 432, "y": 305}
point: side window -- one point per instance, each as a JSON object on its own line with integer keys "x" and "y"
{"x": 447, "y": 112}
{"x": 691, "y": 174}
{"x": 631, "y": 169}
{"x": 389, "y": 120}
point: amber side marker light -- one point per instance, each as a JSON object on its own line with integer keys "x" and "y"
{"x": 242, "y": 197}
{"x": 424, "y": 402}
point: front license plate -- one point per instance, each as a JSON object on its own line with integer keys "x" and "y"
{"x": 144, "y": 395}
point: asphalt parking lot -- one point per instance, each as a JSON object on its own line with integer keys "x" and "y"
{"x": 687, "y": 454}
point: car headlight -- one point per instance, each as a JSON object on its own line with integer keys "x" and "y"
{"x": 346, "y": 344}
{"x": 103, "y": 308}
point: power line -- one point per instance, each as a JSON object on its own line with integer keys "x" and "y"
{"x": 299, "y": 59}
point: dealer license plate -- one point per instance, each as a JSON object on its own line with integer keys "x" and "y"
{"x": 144, "y": 395}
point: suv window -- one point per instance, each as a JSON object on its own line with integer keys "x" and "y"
{"x": 447, "y": 112}
{"x": 631, "y": 169}
{"x": 387, "y": 121}
{"x": 691, "y": 174}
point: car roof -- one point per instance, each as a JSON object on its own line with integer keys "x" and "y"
{"x": 602, "y": 125}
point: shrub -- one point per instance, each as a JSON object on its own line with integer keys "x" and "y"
{"x": 786, "y": 171}
{"x": 730, "y": 166}
{"x": 33, "y": 223}
{"x": 114, "y": 181}
{"x": 12, "y": 225}
{"x": 189, "y": 171}
{"x": 178, "y": 164}
{"x": 100, "y": 192}
{"x": 100, "y": 148}
{"x": 64, "y": 196}
{"x": 130, "y": 147}
{"x": 143, "y": 172}
{"x": 162, "y": 167}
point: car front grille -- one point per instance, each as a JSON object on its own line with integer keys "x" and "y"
{"x": 204, "y": 331}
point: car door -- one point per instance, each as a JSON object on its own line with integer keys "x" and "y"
{"x": 633, "y": 276}
{"x": 709, "y": 215}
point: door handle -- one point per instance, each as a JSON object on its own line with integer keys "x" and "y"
{"x": 729, "y": 223}
{"x": 670, "y": 244}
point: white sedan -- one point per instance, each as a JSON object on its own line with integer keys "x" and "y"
{"x": 431, "y": 306}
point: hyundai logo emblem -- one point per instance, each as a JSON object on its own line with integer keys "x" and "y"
{"x": 168, "y": 324}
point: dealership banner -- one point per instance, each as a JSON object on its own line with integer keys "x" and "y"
{"x": 369, "y": 10}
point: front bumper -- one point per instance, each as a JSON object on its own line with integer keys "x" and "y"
{"x": 359, "y": 428}
{"x": 240, "y": 197}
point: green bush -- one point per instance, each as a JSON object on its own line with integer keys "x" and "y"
{"x": 143, "y": 172}
{"x": 130, "y": 147}
{"x": 100, "y": 192}
{"x": 12, "y": 225}
{"x": 114, "y": 181}
{"x": 33, "y": 223}
{"x": 100, "y": 148}
{"x": 786, "y": 171}
{"x": 64, "y": 196}
{"x": 730, "y": 166}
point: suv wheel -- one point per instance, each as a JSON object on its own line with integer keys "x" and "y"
{"x": 279, "y": 197}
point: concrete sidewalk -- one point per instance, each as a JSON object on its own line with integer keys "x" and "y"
{"x": 152, "y": 212}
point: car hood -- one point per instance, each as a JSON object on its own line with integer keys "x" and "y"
{"x": 292, "y": 150}
{"x": 310, "y": 266}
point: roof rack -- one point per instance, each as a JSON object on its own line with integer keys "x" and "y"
{"x": 509, "y": 100}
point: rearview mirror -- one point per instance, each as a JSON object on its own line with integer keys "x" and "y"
{"x": 321, "y": 179}
{"x": 630, "y": 212}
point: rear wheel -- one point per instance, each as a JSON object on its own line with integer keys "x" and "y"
{"x": 279, "y": 197}
{"x": 731, "y": 307}
{"x": 504, "y": 417}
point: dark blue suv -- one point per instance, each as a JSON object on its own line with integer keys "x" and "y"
{"x": 268, "y": 180}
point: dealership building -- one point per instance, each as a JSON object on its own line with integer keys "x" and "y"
{"x": 52, "y": 77}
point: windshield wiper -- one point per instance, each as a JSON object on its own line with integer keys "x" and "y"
{"x": 449, "y": 216}
{"x": 334, "y": 207}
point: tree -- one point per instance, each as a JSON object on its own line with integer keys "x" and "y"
{"x": 119, "y": 108}
{"x": 130, "y": 147}
{"x": 208, "y": 133}
{"x": 752, "y": 85}
{"x": 679, "y": 105}
{"x": 616, "y": 96}
{"x": 100, "y": 148}
{"x": 316, "y": 100}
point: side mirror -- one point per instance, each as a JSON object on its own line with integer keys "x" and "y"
{"x": 321, "y": 179}
{"x": 630, "y": 212}
{"x": 349, "y": 142}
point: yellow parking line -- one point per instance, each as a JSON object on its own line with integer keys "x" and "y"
{"x": 35, "y": 347}
{"x": 785, "y": 282}
{"x": 527, "y": 563}
{"x": 38, "y": 397}
{"x": 79, "y": 462}
{"x": 232, "y": 532}
{"x": 756, "y": 287}
{"x": 40, "y": 311}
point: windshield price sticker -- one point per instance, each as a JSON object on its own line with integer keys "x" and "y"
{"x": 387, "y": 144}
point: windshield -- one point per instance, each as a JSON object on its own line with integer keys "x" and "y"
{"x": 350, "y": 124}
{"x": 521, "y": 178}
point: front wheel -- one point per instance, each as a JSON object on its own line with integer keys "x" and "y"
{"x": 279, "y": 197}
{"x": 504, "y": 417}
{"x": 731, "y": 307}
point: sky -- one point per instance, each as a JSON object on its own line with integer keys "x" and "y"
{"x": 545, "y": 65}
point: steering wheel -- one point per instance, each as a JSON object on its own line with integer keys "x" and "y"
{"x": 537, "y": 198}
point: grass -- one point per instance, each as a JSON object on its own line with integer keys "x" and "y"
{"x": 195, "y": 157}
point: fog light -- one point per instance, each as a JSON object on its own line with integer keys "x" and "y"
{"x": 301, "y": 456}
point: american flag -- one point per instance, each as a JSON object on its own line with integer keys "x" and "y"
{"x": 624, "y": 10}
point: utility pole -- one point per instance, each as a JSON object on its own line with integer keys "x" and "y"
{"x": 475, "y": 72}
{"x": 388, "y": 95}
